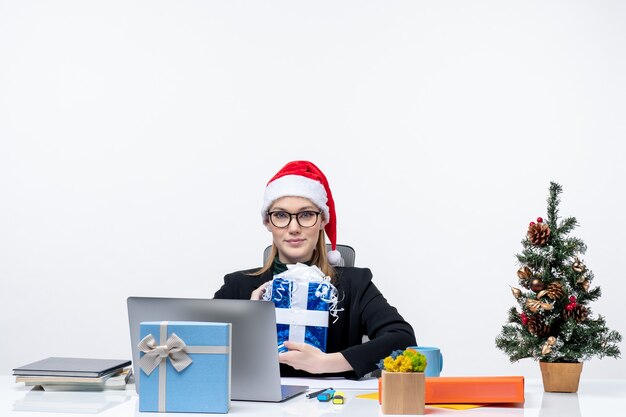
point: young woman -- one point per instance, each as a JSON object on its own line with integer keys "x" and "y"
{"x": 298, "y": 208}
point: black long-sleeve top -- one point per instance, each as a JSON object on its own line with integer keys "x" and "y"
{"x": 363, "y": 311}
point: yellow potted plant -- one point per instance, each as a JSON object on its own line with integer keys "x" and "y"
{"x": 403, "y": 383}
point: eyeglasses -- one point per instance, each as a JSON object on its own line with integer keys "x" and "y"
{"x": 282, "y": 219}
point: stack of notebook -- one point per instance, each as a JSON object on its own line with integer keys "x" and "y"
{"x": 75, "y": 374}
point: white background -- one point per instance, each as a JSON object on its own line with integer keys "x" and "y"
{"x": 136, "y": 138}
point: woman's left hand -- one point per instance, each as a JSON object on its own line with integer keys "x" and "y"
{"x": 310, "y": 359}
{"x": 302, "y": 356}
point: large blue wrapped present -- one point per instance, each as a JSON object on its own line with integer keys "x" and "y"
{"x": 185, "y": 367}
{"x": 303, "y": 297}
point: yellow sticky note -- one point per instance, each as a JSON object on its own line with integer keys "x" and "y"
{"x": 374, "y": 396}
{"x": 371, "y": 396}
{"x": 457, "y": 406}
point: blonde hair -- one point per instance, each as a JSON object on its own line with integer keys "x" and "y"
{"x": 319, "y": 258}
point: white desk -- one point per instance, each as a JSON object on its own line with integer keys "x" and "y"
{"x": 595, "y": 398}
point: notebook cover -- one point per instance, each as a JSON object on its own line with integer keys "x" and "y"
{"x": 471, "y": 390}
{"x": 58, "y": 366}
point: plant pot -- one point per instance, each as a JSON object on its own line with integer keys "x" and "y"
{"x": 403, "y": 392}
{"x": 560, "y": 377}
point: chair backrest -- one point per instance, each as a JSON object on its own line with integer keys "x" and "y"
{"x": 347, "y": 254}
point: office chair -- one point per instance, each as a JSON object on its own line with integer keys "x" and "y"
{"x": 347, "y": 254}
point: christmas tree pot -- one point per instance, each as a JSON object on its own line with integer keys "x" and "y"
{"x": 403, "y": 392}
{"x": 560, "y": 377}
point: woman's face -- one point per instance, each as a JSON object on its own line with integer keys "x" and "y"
{"x": 294, "y": 242}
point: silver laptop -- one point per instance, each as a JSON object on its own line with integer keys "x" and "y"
{"x": 255, "y": 370}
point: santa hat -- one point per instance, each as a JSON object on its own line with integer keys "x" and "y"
{"x": 304, "y": 179}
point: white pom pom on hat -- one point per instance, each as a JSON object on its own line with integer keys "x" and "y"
{"x": 334, "y": 257}
{"x": 304, "y": 179}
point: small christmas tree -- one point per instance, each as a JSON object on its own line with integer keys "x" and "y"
{"x": 554, "y": 322}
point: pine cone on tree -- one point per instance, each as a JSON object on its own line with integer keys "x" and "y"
{"x": 538, "y": 233}
{"x": 578, "y": 313}
{"x": 538, "y": 327}
{"x": 554, "y": 291}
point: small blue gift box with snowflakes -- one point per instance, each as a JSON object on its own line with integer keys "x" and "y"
{"x": 304, "y": 299}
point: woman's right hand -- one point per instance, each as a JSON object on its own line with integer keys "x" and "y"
{"x": 258, "y": 293}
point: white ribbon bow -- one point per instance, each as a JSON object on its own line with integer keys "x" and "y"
{"x": 174, "y": 348}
